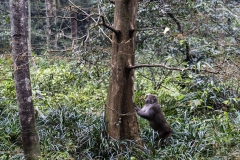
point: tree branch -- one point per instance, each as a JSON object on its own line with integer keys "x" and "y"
{"x": 148, "y": 28}
{"x": 117, "y": 32}
{"x": 112, "y": 1}
{"x": 176, "y": 21}
{"x": 188, "y": 56}
{"x": 171, "y": 68}
{"x": 88, "y": 15}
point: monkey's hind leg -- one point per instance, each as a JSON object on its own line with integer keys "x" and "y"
{"x": 166, "y": 139}
{"x": 160, "y": 143}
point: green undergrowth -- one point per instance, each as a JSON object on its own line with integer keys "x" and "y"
{"x": 70, "y": 98}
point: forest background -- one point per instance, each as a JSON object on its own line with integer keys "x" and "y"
{"x": 193, "y": 44}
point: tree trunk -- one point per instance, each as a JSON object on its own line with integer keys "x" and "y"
{"x": 30, "y": 140}
{"x": 29, "y": 35}
{"x": 120, "y": 116}
{"x": 48, "y": 15}
{"x": 74, "y": 25}
{"x": 74, "y": 29}
{"x": 54, "y": 12}
{"x": 29, "y": 29}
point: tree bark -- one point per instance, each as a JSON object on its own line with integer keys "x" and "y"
{"x": 120, "y": 116}
{"x": 29, "y": 134}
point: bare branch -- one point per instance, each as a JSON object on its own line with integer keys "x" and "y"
{"x": 188, "y": 56}
{"x": 117, "y": 32}
{"x": 88, "y": 15}
{"x": 61, "y": 17}
{"x": 149, "y": 28}
{"x": 171, "y": 68}
{"x": 176, "y": 21}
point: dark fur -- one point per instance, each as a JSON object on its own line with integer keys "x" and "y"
{"x": 153, "y": 113}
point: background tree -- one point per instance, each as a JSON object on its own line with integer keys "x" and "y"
{"x": 22, "y": 80}
{"x": 49, "y": 17}
{"x": 4, "y": 28}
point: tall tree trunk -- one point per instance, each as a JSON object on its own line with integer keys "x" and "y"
{"x": 30, "y": 140}
{"x": 74, "y": 25}
{"x": 48, "y": 15}
{"x": 54, "y": 12}
{"x": 29, "y": 34}
{"x": 120, "y": 117}
{"x": 29, "y": 28}
{"x": 74, "y": 29}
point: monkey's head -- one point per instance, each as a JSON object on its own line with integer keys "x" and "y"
{"x": 151, "y": 99}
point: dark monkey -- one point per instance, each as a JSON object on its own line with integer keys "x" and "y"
{"x": 153, "y": 113}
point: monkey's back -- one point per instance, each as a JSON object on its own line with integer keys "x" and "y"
{"x": 160, "y": 124}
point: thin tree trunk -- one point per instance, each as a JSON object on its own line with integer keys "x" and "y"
{"x": 29, "y": 34}
{"x": 29, "y": 134}
{"x": 74, "y": 29}
{"x": 120, "y": 116}
{"x": 54, "y": 12}
{"x": 29, "y": 27}
{"x": 48, "y": 15}
{"x": 74, "y": 25}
